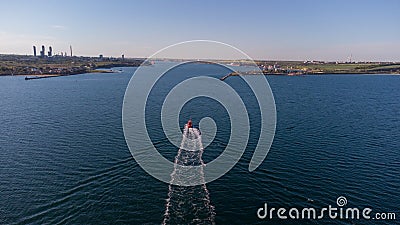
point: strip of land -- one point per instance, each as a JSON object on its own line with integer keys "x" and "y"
{"x": 319, "y": 67}
{"x": 269, "y": 67}
{"x": 60, "y": 66}
{"x": 43, "y": 67}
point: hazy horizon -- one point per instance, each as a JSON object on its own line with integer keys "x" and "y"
{"x": 265, "y": 30}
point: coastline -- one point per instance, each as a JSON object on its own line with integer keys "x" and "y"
{"x": 252, "y": 73}
{"x": 17, "y": 65}
{"x": 45, "y": 67}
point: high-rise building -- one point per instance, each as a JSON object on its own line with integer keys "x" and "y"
{"x": 70, "y": 48}
{"x": 42, "y": 52}
{"x": 34, "y": 51}
{"x": 50, "y": 52}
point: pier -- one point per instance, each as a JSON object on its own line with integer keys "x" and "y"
{"x": 224, "y": 77}
{"x": 40, "y": 77}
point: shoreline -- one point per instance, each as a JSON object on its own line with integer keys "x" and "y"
{"x": 12, "y": 65}
{"x": 65, "y": 74}
{"x": 234, "y": 74}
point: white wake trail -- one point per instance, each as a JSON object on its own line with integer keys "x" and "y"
{"x": 189, "y": 204}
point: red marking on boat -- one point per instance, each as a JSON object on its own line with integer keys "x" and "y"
{"x": 189, "y": 123}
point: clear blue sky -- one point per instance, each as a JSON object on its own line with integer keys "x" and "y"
{"x": 297, "y": 30}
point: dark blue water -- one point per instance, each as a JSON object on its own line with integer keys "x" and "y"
{"x": 64, "y": 160}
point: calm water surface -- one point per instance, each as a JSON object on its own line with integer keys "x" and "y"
{"x": 63, "y": 156}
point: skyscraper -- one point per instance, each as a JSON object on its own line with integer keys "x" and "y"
{"x": 34, "y": 51}
{"x": 50, "y": 53}
{"x": 42, "y": 52}
{"x": 70, "y": 48}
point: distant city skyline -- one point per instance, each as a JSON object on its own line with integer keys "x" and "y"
{"x": 270, "y": 30}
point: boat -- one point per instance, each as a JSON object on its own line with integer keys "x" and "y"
{"x": 189, "y": 124}
{"x": 190, "y": 131}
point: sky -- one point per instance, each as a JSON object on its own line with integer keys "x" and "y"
{"x": 272, "y": 30}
